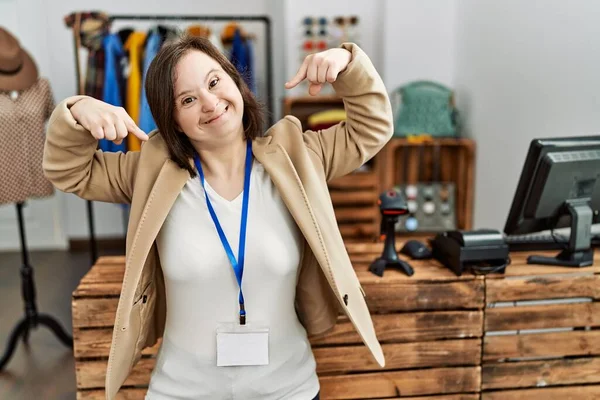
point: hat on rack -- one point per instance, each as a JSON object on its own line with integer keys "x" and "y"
{"x": 17, "y": 69}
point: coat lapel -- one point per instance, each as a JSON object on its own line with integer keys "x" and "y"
{"x": 169, "y": 183}
{"x": 278, "y": 165}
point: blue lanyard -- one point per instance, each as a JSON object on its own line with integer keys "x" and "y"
{"x": 238, "y": 265}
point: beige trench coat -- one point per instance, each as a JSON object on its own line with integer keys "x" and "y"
{"x": 300, "y": 163}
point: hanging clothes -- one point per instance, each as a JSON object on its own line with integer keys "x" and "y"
{"x": 134, "y": 45}
{"x": 147, "y": 123}
{"x": 167, "y": 33}
{"x": 113, "y": 82}
{"x": 124, "y": 34}
{"x": 241, "y": 58}
{"x": 22, "y": 127}
{"x": 92, "y": 27}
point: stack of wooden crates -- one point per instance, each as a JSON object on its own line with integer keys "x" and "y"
{"x": 444, "y": 337}
{"x": 401, "y": 161}
{"x": 430, "y": 327}
{"x": 542, "y": 327}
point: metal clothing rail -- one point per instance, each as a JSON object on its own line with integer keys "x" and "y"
{"x": 154, "y": 17}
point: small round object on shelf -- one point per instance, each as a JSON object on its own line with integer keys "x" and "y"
{"x": 412, "y": 206}
{"x": 428, "y": 192}
{"x": 411, "y": 191}
{"x": 411, "y": 224}
{"x": 429, "y": 207}
{"x": 444, "y": 193}
{"x": 445, "y": 208}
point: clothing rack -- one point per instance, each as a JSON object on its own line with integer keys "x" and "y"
{"x": 254, "y": 18}
{"x": 157, "y": 17}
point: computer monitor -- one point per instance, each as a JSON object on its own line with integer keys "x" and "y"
{"x": 559, "y": 187}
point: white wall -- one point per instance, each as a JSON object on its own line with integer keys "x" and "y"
{"x": 524, "y": 69}
{"x": 419, "y": 41}
{"x": 43, "y": 33}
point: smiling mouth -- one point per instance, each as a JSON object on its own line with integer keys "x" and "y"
{"x": 217, "y": 117}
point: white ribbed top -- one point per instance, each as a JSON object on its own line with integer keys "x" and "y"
{"x": 202, "y": 291}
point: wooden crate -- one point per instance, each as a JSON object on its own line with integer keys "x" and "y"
{"x": 430, "y": 326}
{"x": 354, "y": 199}
{"x": 549, "y": 346}
{"x": 403, "y": 161}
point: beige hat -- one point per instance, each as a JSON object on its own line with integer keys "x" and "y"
{"x": 17, "y": 69}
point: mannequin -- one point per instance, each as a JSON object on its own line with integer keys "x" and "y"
{"x": 25, "y": 105}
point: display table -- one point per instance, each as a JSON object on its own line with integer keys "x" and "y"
{"x": 439, "y": 333}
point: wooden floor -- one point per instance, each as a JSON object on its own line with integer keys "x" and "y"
{"x": 45, "y": 370}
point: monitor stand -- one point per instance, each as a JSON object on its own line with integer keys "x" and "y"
{"x": 579, "y": 252}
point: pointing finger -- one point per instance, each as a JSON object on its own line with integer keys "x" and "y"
{"x": 300, "y": 75}
{"x": 137, "y": 132}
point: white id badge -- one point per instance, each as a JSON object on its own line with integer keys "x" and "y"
{"x": 239, "y": 345}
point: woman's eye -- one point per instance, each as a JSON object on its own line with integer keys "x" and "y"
{"x": 213, "y": 83}
{"x": 187, "y": 100}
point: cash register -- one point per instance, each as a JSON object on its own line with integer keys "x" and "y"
{"x": 558, "y": 190}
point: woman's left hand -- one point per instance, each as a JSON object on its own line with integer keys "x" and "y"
{"x": 321, "y": 67}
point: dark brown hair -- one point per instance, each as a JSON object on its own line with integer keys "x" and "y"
{"x": 160, "y": 83}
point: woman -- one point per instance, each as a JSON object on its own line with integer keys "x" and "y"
{"x": 217, "y": 203}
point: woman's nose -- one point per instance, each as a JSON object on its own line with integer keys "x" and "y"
{"x": 209, "y": 101}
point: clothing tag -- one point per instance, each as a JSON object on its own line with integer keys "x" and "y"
{"x": 239, "y": 345}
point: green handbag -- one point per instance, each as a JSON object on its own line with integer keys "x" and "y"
{"x": 425, "y": 108}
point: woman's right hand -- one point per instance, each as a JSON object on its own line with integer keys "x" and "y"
{"x": 105, "y": 121}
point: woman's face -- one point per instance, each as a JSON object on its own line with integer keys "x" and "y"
{"x": 208, "y": 104}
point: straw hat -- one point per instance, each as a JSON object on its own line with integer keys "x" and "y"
{"x": 17, "y": 69}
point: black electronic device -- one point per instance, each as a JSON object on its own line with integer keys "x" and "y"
{"x": 391, "y": 205}
{"x": 416, "y": 250}
{"x": 559, "y": 186}
{"x": 478, "y": 251}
